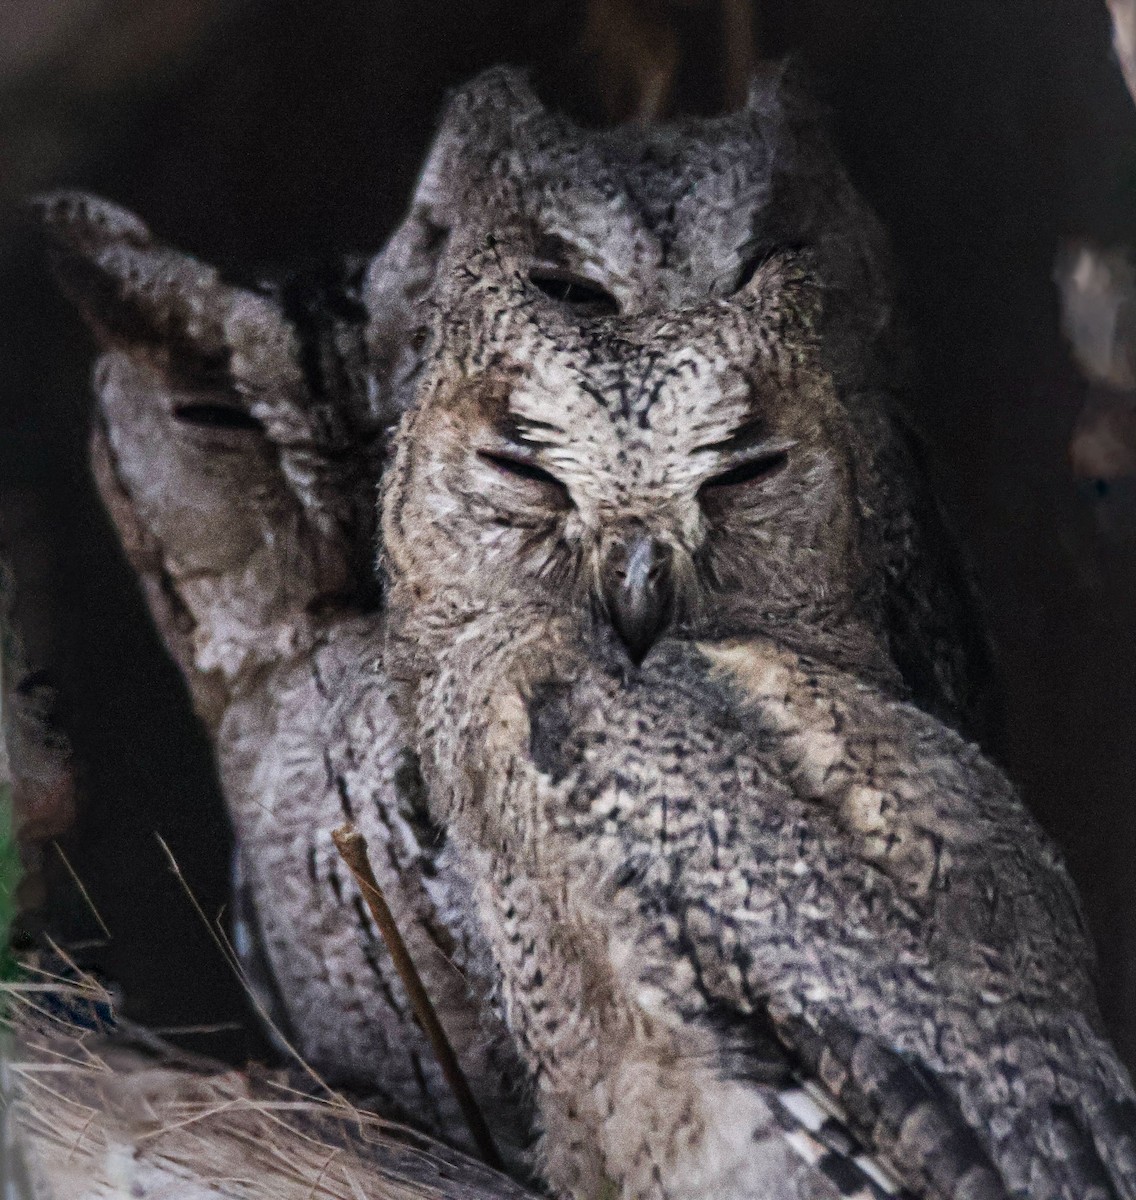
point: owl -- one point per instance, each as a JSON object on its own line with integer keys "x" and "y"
{"x": 242, "y": 431}
{"x": 238, "y": 440}
{"x": 765, "y": 923}
{"x": 683, "y": 216}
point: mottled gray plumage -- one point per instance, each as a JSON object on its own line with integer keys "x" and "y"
{"x": 238, "y": 442}
{"x": 676, "y": 650}
{"x": 673, "y": 220}
{"x": 241, "y": 436}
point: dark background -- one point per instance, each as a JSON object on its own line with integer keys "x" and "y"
{"x": 259, "y": 131}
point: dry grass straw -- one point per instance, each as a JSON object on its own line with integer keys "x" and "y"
{"x": 99, "y": 1110}
{"x": 108, "y": 1115}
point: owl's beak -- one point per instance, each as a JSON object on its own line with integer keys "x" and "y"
{"x": 639, "y": 592}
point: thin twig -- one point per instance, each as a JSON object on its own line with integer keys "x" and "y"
{"x": 352, "y": 847}
{"x": 186, "y": 1030}
{"x": 82, "y": 890}
{"x": 322, "y": 1172}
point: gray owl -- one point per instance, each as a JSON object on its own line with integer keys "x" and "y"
{"x": 242, "y": 432}
{"x": 675, "y": 667}
{"x": 238, "y": 442}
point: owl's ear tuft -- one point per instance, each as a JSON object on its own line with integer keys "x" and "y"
{"x": 140, "y": 296}
{"x": 498, "y": 95}
{"x": 787, "y": 282}
{"x": 86, "y": 223}
{"x": 782, "y": 87}
{"x": 483, "y": 122}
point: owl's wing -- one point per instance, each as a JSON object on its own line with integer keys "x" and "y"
{"x": 817, "y": 1108}
{"x": 914, "y": 1129}
{"x": 933, "y": 620}
{"x": 895, "y": 1110}
{"x": 820, "y": 1135}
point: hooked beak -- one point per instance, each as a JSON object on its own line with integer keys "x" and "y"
{"x": 639, "y": 593}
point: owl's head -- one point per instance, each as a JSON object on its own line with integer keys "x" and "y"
{"x": 678, "y": 470}
{"x": 631, "y": 403}
{"x": 651, "y": 393}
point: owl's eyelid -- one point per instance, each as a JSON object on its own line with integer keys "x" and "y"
{"x": 217, "y": 415}
{"x": 521, "y": 466}
{"x": 757, "y": 254}
{"x": 558, "y": 270}
{"x": 572, "y": 288}
{"x": 731, "y": 456}
{"x": 751, "y": 467}
{"x": 762, "y": 449}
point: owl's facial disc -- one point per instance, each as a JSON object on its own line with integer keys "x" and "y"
{"x": 642, "y": 474}
{"x": 627, "y": 521}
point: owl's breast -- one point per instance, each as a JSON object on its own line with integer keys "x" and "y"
{"x": 822, "y": 812}
{"x": 739, "y": 829}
